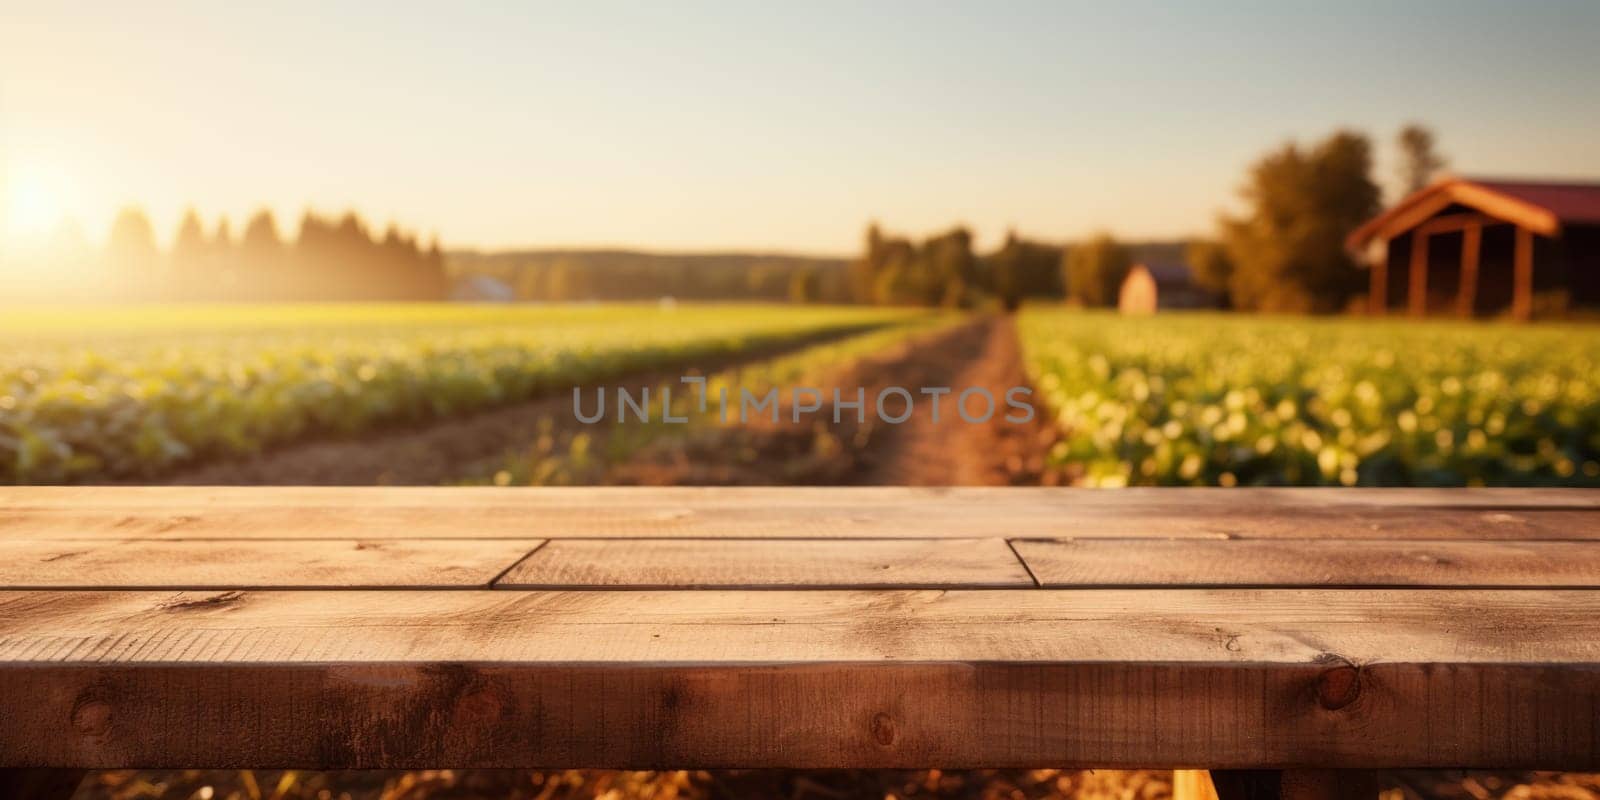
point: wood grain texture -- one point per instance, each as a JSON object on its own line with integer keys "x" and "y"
{"x": 247, "y": 564}
{"x": 181, "y": 513}
{"x": 1295, "y": 678}
{"x": 1178, "y": 625}
{"x": 745, "y": 563}
{"x": 1311, "y": 563}
{"x": 1184, "y": 678}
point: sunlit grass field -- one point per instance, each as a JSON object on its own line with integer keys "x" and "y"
{"x": 1212, "y": 399}
{"x": 92, "y": 393}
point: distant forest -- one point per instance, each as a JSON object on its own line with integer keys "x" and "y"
{"x": 330, "y": 259}
{"x": 567, "y": 275}
{"x": 943, "y": 270}
{"x": 892, "y": 270}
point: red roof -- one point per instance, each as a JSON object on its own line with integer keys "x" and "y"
{"x": 1539, "y": 206}
{"x": 1569, "y": 202}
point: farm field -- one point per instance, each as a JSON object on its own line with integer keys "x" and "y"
{"x": 92, "y": 394}
{"x": 1207, "y": 399}
{"x": 141, "y": 392}
{"x": 610, "y": 451}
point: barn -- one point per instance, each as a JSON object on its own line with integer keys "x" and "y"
{"x": 1149, "y": 287}
{"x": 1484, "y": 247}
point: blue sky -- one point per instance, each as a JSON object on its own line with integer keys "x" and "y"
{"x": 758, "y": 125}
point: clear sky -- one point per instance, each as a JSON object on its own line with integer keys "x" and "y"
{"x": 775, "y": 126}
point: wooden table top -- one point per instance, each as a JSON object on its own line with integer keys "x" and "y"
{"x": 798, "y": 627}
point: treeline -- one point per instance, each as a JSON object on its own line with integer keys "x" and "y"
{"x": 578, "y": 275}
{"x": 944, "y": 270}
{"x": 330, "y": 258}
{"x": 1284, "y": 253}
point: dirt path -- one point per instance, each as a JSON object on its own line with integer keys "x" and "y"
{"x": 917, "y": 452}
{"x": 438, "y": 452}
{"x": 952, "y": 451}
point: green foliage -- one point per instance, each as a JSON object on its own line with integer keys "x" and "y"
{"x": 1210, "y": 399}
{"x": 942, "y": 271}
{"x": 1210, "y": 264}
{"x": 1288, "y": 249}
{"x": 90, "y": 394}
{"x": 1023, "y": 269}
{"x": 1094, "y": 270}
{"x": 1419, "y": 159}
{"x": 566, "y": 275}
{"x": 805, "y": 286}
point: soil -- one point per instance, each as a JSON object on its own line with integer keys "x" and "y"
{"x": 949, "y": 451}
{"x": 920, "y": 451}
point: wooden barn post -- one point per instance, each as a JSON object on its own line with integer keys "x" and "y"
{"x": 1378, "y": 292}
{"x": 1522, "y": 290}
{"x": 1417, "y": 289}
{"x": 1471, "y": 246}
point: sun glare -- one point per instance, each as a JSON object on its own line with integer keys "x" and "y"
{"x": 37, "y": 199}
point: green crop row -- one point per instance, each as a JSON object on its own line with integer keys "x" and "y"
{"x": 93, "y": 394}
{"x": 567, "y": 453}
{"x": 1224, "y": 400}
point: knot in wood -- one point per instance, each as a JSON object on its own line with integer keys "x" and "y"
{"x": 481, "y": 706}
{"x": 883, "y": 729}
{"x": 91, "y": 716}
{"x": 1338, "y": 687}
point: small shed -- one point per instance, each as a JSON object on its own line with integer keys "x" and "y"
{"x": 1150, "y": 287}
{"x": 1472, "y": 246}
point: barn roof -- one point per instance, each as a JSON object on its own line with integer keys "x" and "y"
{"x": 1540, "y": 206}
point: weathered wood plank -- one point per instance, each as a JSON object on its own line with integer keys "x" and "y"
{"x": 745, "y": 563}
{"x": 1310, "y": 563}
{"x": 402, "y": 563}
{"x": 1216, "y": 678}
{"x": 1037, "y": 513}
{"x": 1179, "y": 625}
